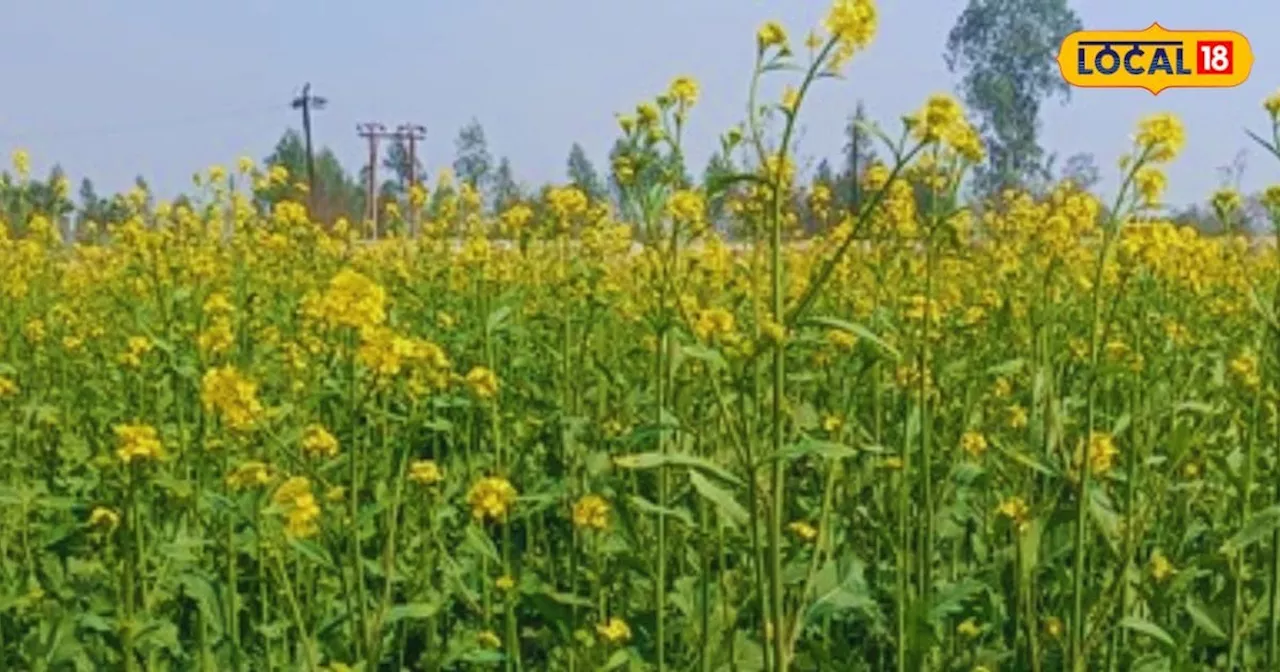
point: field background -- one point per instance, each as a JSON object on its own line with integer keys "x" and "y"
{"x": 918, "y": 414}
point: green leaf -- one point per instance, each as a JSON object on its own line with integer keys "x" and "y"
{"x": 857, "y": 330}
{"x": 1200, "y": 616}
{"x": 313, "y": 552}
{"x": 850, "y": 592}
{"x": 482, "y": 657}
{"x": 96, "y": 622}
{"x": 718, "y": 183}
{"x": 481, "y": 544}
{"x": 1152, "y": 662}
{"x": 1258, "y": 526}
{"x": 808, "y": 445}
{"x": 567, "y": 599}
{"x": 1007, "y": 368}
{"x": 1193, "y": 407}
{"x": 951, "y": 599}
{"x": 416, "y": 611}
{"x": 201, "y": 590}
{"x": 1026, "y": 460}
{"x": 706, "y": 355}
{"x": 1142, "y": 625}
{"x": 1270, "y": 147}
{"x": 651, "y": 460}
{"x": 1121, "y": 424}
{"x": 618, "y": 659}
{"x": 723, "y": 499}
{"x": 1102, "y": 512}
{"x": 647, "y": 506}
{"x": 497, "y": 318}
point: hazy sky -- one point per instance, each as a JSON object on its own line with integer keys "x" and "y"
{"x": 163, "y": 88}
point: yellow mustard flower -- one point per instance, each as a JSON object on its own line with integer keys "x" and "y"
{"x": 482, "y": 382}
{"x": 318, "y": 442}
{"x": 137, "y": 442}
{"x": 492, "y": 498}
{"x": 425, "y": 472}
{"x": 614, "y": 631}
{"x": 104, "y": 518}
{"x": 591, "y": 512}
{"x": 803, "y": 530}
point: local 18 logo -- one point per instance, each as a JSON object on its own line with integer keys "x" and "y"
{"x": 1155, "y": 59}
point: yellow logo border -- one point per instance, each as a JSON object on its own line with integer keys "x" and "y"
{"x": 1247, "y": 62}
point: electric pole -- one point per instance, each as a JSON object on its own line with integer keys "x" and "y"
{"x": 306, "y": 102}
{"x": 413, "y": 133}
{"x": 373, "y": 132}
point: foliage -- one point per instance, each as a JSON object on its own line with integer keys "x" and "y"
{"x": 568, "y": 436}
{"x": 1004, "y": 50}
{"x": 473, "y": 163}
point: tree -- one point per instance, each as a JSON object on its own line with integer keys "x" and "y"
{"x": 620, "y": 148}
{"x": 337, "y": 194}
{"x": 583, "y": 174}
{"x": 290, "y": 153}
{"x": 824, "y": 174}
{"x": 506, "y": 191}
{"x": 859, "y": 152}
{"x": 397, "y": 163}
{"x": 719, "y": 167}
{"x": 1081, "y": 169}
{"x": 473, "y": 161}
{"x": 140, "y": 183}
{"x": 51, "y": 197}
{"x": 1005, "y": 50}
{"x": 91, "y": 205}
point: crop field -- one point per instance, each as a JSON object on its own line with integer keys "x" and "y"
{"x": 1038, "y": 432}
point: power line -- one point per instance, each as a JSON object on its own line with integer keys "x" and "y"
{"x": 149, "y": 126}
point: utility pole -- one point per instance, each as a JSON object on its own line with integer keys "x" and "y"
{"x": 306, "y": 102}
{"x": 413, "y": 133}
{"x": 372, "y": 131}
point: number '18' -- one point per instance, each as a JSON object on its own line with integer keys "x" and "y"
{"x": 1215, "y": 58}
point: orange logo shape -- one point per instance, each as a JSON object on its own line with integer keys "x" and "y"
{"x": 1155, "y": 59}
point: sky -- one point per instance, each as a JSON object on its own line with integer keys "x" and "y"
{"x": 161, "y": 88}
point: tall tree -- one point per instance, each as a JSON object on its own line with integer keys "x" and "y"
{"x": 1004, "y": 50}
{"x": 506, "y": 191}
{"x": 859, "y": 152}
{"x": 338, "y": 194}
{"x": 473, "y": 161}
{"x": 583, "y": 174}
{"x": 91, "y": 205}
{"x": 140, "y": 183}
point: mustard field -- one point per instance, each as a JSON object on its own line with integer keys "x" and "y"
{"x": 928, "y": 432}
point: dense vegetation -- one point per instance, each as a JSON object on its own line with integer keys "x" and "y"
{"x": 731, "y": 425}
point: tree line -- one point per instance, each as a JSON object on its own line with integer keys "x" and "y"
{"x": 1001, "y": 51}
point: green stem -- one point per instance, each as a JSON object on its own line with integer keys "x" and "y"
{"x": 1109, "y": 233}
{"x": 356, "y": 456}
{"x": 660, "y": 586}
{"x": 130, "y": 555}
{"x": 1238, "y": 563}
{"x": 389, "y": 550}
{"x": 308, "y": 643}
